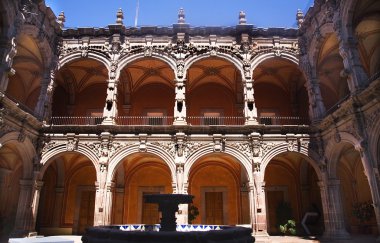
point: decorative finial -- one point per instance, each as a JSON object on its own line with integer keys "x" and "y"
{"x": 61, "y": 19}
{"x": 299, "y": 18}
{"x": 181, "y": 16}
{"x": 119, "y": 16}
{"x": 242, "y": 19}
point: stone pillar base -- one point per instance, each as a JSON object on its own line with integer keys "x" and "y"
{"x": 22, "y": 234}
{"x": 261, "y": 237}
{"x": 109, "y": 121}
{"x": 251, "y": 122}
{"x": 340, "y": 235}
{"x": 180, "y": 123}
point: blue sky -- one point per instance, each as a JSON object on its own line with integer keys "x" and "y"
{"x": 100, "y": 13}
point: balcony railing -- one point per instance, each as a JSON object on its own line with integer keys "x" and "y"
{"x": 215, "y": 121}
{"x": 76, "y": 120}
{"x": 283, "y": 120}
{"x": 144, "y": 120}
{"x": 168, "y": 120}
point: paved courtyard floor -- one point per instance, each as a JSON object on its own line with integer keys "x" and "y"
{"x": 284, "y": 239}
{"x": 290, "y": 239}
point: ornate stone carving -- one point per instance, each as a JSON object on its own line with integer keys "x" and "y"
{"x": 72, "y": 144}
{"x": 94, "y": 146}
{"x": 169, "y": 147}
{"x": 243, "y": 147}
{"x": 372, "y": 119}
{"x": 191, "y": 147}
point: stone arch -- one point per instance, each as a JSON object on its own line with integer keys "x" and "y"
{"x": 77, "y": 56}
{"x": 25, "y": 149}
{"x": 374, "y": 137}
{"x": 118, "y": 157}
{"x": 333, "y": 151}
{"x": 303, "y": 151}
{"x": 7, "y": 17}
{"x": 156, "y": 55}
{"x": 347, "y": 14}
{"x": 317, "y": 41}
{"x": 236, "y": 154}
{"x": 229, "y": 58}
{"x": 56, "y": 151}
{"x": 265, "y": 56}
{"x": 43, "y": 44}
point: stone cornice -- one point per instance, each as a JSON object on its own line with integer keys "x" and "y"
{"x": 246, "y": 129}
{"x": 172, "y": 30}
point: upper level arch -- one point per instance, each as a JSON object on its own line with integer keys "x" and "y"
{"x": 78, "y": 56}
{"x": 30, "y": 65}
{"x": 228, "y": 58}
{"x": 125, "y": 61}
{"x": 77, "y": 82}
{"x": 146, "y": 85}
{"x": 266, "y": 56}
{"x": 362, "y": 22}
{"x": 281, "y": 78}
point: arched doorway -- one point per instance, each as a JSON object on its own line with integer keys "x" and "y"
{"x": 137, "y": 175}
{"x": 219, "y": 185}
{"x": 67, "y": 201}
{"x": 291, "y": 191}
{"x": 355, "y": 191}
{"x": 11, "y": 172}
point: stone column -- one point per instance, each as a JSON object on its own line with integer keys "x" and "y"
{"x": 260, "y": 223}
{"x": 27, "y": 207}
{"x": 180, "y": 103}
{"x": 6, "y": 65}
{"x": 333, "y": 210}
{"x": 179, "y": 185}
{"x": 317, "y": 109}
{"x": 58, "y": 205}
{"x": 252, "y": 203}
{"x": 110, "y": 109}
{"x": 250, "y": 110}
{"x": 370, "y": 171}
{"x": 43, "y": 107}
{"x": 102, "y": 210}
{"x": 110, "y": 186}
{"x": 357, "y": 79}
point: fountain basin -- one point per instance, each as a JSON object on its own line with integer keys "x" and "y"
{"x": 113, "y": 234}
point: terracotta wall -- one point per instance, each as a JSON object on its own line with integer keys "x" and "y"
{"x": 210, "y": 96}
{"x": 216, "y": 176}
{"x": 152, "y": 97}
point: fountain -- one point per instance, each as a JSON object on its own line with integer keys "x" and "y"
{"x": 167, "y": 231}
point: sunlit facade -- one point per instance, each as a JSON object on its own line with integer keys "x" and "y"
{"x": 243, "y": 118}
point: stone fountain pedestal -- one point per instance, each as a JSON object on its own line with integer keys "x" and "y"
{"x": 168, "y": 206}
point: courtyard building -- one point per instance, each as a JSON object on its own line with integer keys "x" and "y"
{"x": 250, "y": 121}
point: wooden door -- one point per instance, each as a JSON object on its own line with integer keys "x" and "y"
{"x": 86, "y": 211}
{"x": 150, "y": 213}
{"x": 214, "y": 208}
{"x": 274, "y": 198}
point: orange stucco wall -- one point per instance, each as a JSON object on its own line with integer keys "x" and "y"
{"x": 211, "y": 96}
{"x": 215, "y": 176}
